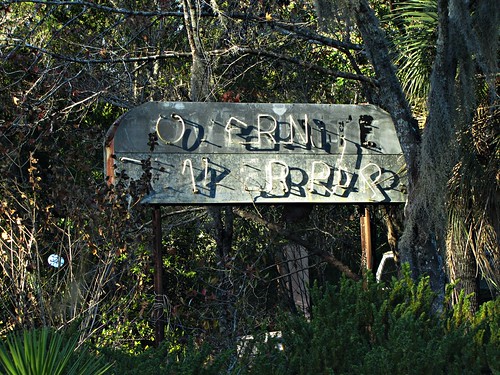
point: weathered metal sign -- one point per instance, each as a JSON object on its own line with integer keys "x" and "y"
{"x": 230, "y": 153}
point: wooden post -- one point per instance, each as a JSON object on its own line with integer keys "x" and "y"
{"x": 366, "y": 238}
{"x": 158, "y": 277}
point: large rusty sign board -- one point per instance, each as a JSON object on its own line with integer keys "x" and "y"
{"x": 232, "y": 153}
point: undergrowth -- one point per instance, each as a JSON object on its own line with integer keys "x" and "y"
{"x": 356, "y": 328}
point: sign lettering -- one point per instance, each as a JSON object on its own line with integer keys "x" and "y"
{"x": 223, "y": 153}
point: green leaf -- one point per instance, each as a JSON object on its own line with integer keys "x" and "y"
{"x": 45, "y": 352}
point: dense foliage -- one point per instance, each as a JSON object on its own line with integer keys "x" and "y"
{"x": 69, "y": 69}
{"x": 359, "y": 327}
{"x": 366, "y": 328}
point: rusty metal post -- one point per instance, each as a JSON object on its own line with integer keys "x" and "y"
{"x": 366, "y": 237}
{"x": 158, "y": 277}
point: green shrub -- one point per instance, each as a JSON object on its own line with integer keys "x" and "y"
{"x": 368, "y": 328}
{"x": 487, "y": 334}
{"x": 170, "y": 359}
{"x": 46, "y": 352}
{"x": 356, "y": 328}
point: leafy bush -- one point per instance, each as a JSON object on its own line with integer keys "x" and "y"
{"x": 367, "y": 328}
{"x": 171, "y": 359}
{"x": 46, "y": 352}
{"x": 356, "y": 328}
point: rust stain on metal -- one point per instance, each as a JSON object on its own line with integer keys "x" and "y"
{"x": 109, "y": 152}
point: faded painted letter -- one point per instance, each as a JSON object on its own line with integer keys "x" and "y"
{"x": 277, "y": 173}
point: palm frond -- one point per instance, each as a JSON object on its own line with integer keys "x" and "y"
{"x": 415, "y": 44}
{"x": 45, "y": 352}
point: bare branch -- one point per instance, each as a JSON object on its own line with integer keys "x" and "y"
{"x": 93, "y": 5}
{"x": 120, "y": 60}
{"x": 316, "y": 38}
{"x": 298, "y": 30}
{"x": 327, "y": 257}
{"x": 283, "y": 27}
{"x": 330, "y": 72}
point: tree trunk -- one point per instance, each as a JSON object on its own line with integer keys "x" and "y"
{"x": 201, "y": 76}
{"x": 420, "y": 249}
{"x": 390, "y": 96}
{"x": 201, "y": 90}
{"x": 462, "y": 269}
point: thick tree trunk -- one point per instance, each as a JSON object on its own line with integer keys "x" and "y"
{"x": 467, "y": 44}
{"x": 390, "y": 96}
{"x": 420, "y": 249}
{"x": 462, "y": 269}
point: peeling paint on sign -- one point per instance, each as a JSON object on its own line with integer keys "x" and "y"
{"x": 231, "y": 153}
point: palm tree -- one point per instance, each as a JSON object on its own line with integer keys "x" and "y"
{"x": 472, "y": 204}
{"x": 474, "y": 209}
{"x": 414, "y": 31}
{"x": 47, "y": 352}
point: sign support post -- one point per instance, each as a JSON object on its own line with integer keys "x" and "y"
{"x": 158, "y": 276}
{"x": 366, "y": 237}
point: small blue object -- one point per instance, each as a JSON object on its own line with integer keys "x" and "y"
{"x": 56, "y": 260}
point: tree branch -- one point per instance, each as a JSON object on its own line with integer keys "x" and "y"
{"x": 93, "y": 5}
{"x": 392, "y": 97}
{"x": 176, "y": 54}
{"x": 327, "y": 257}
{"x": 119, "y": 60}
{"x": 309, "y": 35}
{"x": 330, "y": 72}
{"x": 299, "y": 31}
